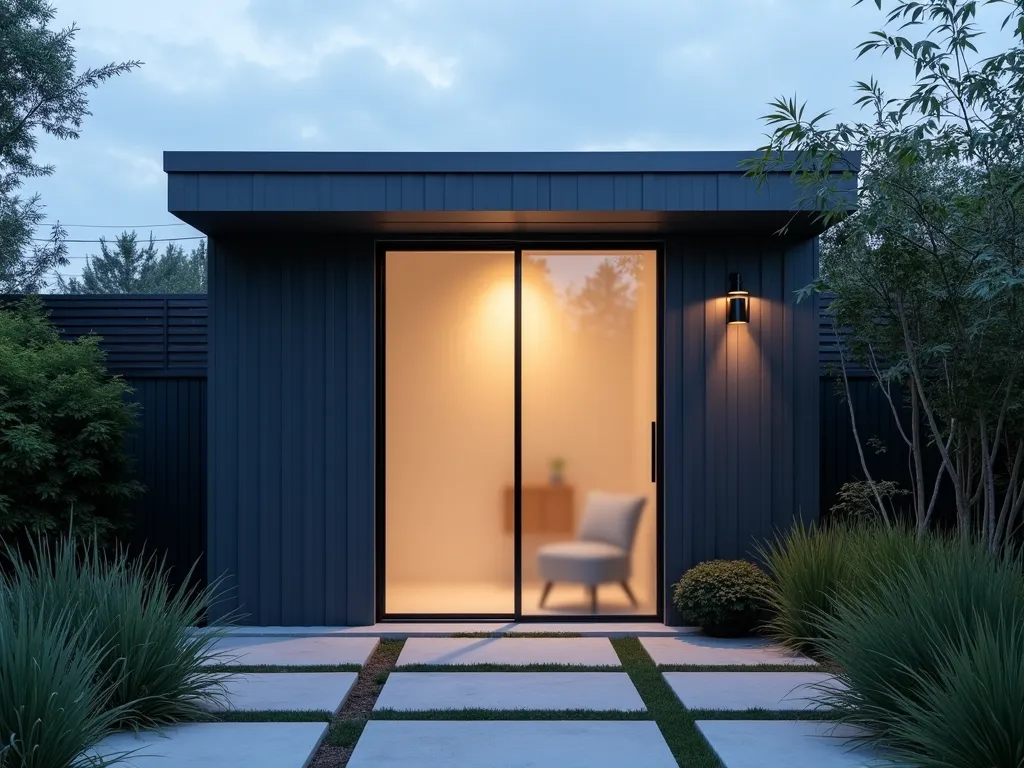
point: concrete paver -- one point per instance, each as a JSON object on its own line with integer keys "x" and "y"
{"x": 594, "y": 691}
{"x": 787, "y": 744}
{"x": 286, "y": 691}
{"x": 751, "y": 690}
{"x": 701, "y": 649}
{"x": 584, "y": 651}
{"x": 511, "y": 744}
{"x": 293, "y": 651}
{"x": 216, "y": 745}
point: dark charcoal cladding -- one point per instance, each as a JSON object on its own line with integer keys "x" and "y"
{"x": 159, "y": 344}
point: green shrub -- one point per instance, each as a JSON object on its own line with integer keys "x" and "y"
{"x": 811, "y": 567}
{"x": 907, "y": 642}
{"x": 52, "y": 700}
{"x": 723, "y": 597}
{"x": 153, "y": 669}
{"x": 63, "y": 423}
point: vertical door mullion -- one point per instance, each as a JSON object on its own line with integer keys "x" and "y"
{"x": 517, "y": 496}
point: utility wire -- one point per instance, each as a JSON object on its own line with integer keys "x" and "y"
{"x": 155, "y": 240}
{"x": 111, "y": 226}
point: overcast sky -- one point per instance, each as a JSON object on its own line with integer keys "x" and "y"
{"x": 433, "y": 75}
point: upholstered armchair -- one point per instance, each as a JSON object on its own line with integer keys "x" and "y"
{"x": 602, "y": 550}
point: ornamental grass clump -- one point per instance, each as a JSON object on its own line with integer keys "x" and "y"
{"x": 929, "y": 654}
{"x": 811, "y": 567}
{"x": 725, "y": 598}
{"x": 154, "y": 666}
{"x": 54, "y": 702}
{"x": 972, "y": 712}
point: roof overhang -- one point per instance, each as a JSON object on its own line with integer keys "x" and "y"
{"x": 482, "y": 192}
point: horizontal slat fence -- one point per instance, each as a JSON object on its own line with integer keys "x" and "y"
{"x": 158, "y": 344}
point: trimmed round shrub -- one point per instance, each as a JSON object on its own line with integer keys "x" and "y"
{"x": 725, "y": 598}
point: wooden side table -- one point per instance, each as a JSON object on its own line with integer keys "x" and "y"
{"x": 546, "y": 509}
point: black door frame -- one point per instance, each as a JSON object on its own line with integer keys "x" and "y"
{"x": 516, "y": 245}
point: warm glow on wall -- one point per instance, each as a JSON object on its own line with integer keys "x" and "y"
{"x": 496, "y": 309}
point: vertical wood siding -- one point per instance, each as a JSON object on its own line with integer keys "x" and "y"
{"x": 169, "y": 452}
{"x": 291, "y": 428}
{"x": 741, "y": 402}
{"x": 306, "y": 192}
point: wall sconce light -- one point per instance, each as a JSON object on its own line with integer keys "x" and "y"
{"x": 738, "y": 304}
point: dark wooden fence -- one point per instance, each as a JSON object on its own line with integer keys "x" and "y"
{"x": 159, "y": 345}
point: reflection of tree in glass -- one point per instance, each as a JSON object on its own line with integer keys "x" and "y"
{"x": 605, "y": 303}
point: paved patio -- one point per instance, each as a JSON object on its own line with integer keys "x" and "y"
{"x": 419, "y": 718}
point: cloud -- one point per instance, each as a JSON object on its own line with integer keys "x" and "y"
{"x": 137, "y": 167}
{"x": 199, "y": 44}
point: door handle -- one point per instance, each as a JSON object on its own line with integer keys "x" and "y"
{"x": 654, "y": 451}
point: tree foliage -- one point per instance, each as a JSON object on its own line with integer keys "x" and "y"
{"x": 927, "y": 275}
{"x": 63, "y": 424}
{"x": 40, "y": 91}
{"x": 130, "y": 267}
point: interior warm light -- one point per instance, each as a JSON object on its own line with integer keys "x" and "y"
{"x": 738, "y": 304}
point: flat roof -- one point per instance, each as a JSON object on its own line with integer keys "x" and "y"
{"x": 461, "y": 162}
{"x": 482, "y": 192}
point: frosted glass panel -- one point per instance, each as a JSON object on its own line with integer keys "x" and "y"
{"x": 449, "y": 431}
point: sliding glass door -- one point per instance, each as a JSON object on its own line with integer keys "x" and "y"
{"x": 589, "y": 403}
{"x": 519, "y": 424}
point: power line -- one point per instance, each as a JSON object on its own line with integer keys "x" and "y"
{"x": 156, "y": 240}
{"x": 112, "y": 226}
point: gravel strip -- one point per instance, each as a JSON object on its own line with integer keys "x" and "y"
{"x": 337, "y": 747}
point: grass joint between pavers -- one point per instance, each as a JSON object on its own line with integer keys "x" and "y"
{"x": 530, "y": 635}
{"x": 506, "y": 668}
{"x": 676, "y": 723}
{"x": 279, "y": 668}
{"x": 273, "y": 716}
{"x": 508, "y": 714}
{"x": 741, "y": 668}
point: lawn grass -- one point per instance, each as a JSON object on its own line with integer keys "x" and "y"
{"x": 274, "y": 716}
{"x": 674, "y": 721}
{"x": 264, "y": 668}
{"x": 345, "y": 733}
{"x": 762, "y": 714}
{"x": 516, "y": 634}
{"x": 742, "y": 668}
{"x": 505, "y": 668}
{"x": 507, "y": 714}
